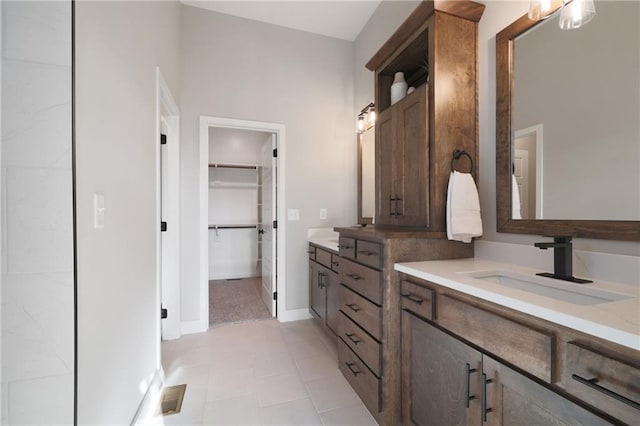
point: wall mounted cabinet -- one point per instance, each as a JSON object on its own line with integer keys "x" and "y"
{"x": 436, "y": 48}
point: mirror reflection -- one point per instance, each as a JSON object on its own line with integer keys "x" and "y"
{"x": 576, "y": 118}
{"x": 367, "y": 200}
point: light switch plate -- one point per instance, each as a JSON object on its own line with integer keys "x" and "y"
{"x": 323, "y": 214}
{"x": 98, "y": 211}
{"x": 293, "y": 214}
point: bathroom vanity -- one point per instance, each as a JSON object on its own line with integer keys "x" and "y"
{"x": 489, "y": 342}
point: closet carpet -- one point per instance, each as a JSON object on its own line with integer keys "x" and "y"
{"x": 236, "y": 301}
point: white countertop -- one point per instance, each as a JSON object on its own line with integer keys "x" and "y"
{"x": 616, "y": 321}
{"x": 323, "y": 237}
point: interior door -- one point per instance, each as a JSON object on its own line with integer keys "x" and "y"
{"x": 269, "y": 213}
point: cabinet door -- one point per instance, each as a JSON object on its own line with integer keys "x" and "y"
{"x": 333, "y": 301}
{"x": 513, "y": 399}
{"x": 316, "y": 290}
{"x": 440, "y": 376}
{"x": 412, "y": 159}
{"x": 385, "y": 146}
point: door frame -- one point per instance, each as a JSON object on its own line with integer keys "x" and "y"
{"x": 538, "y": 131}
{"x": 231, "y": 123}
{"x": 168, "y": 293}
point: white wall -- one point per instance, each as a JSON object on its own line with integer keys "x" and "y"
{"x": 236, "y": 146}
{"x": 37, "y": 245}
{"x": 498, "y": 15}
{"x": 118, "y": 46}
{"x": 237, "y": 68}
{"x": 385, "y": 20}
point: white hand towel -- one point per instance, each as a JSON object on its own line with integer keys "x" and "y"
{"x": 515, "y": 199}
{"x": 463, "y": 208}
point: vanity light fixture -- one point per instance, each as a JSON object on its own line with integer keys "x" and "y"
{"x": 371, "y": 117}
{"x": 542, "y": 9}
{"x": 360, "y": 123}
{"x": 577, "y": 13}
{"x": 573, "y": 13}
{"x": 370, "y": 112}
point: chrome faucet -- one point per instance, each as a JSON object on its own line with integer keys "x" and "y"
{"x": 562, "y": 260}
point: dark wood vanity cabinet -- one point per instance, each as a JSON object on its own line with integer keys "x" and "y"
{"x": 436, "y": 49}
{"x": 468, "y": 362}
{"x": 401, "y": 135}
{"x": 369, "y": 334}
{"x": 323, "y": 286}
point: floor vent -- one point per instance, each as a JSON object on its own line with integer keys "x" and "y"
{"x": 171, "y": 400}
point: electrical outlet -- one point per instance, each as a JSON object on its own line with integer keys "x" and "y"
{"x": 323, "y": 214}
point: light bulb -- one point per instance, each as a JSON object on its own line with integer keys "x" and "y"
{"x": 371, "y": 117}
{"x": 577, "y": 13}
{"x": 541, "y": 9}
{"x": 360, "y": 123}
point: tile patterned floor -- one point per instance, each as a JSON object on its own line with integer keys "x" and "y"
{"x": 260, "y": 373}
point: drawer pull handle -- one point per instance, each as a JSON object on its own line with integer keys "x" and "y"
{"x": 310, "y": 251}
{"x": 351, "y": 337}
{"x": 413, "y": 298}
{"x": 469, "y": 371}
{"x": 485, "y": 410}
{"x": 367, "y": 253}
{"x": 354, "y": 307}
{"x": 344, "y": 247}
{"x": 593, "y": 384}
{"x": 350, "y": 367}
{"x": 354, "y": 277}
{"x": 335, "y": 263}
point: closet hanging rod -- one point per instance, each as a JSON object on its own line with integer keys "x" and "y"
{"x": 233, "y": 166}
{"x": 233, "y": 226}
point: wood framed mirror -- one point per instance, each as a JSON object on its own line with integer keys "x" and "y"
{"x": 366, "y": 176}
{"x": 604, "y": 159}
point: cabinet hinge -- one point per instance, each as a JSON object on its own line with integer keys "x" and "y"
{"x": 275, "y": 295}
{"x": 163, "y": 139}
{"x": 275, "y": 153}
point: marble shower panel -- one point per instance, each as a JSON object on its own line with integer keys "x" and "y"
{"x": 37, "y": 302}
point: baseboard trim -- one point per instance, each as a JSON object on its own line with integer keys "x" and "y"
{"x": 196, "y": 326}
{"x": 294, "y": 315}
{"x": 150, "y": 400}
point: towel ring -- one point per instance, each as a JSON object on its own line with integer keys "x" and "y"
{"x": 459, "y": 153}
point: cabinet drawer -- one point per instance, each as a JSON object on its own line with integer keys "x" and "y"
{"x": 347, "y": 247}
{"x": 417, "y": 299}
{"x": 366, "y": 385}
{"x": 523, "y": 346}
{"x": 611, "y": 375}
{"x": 369, "y": 253}
{"x": 323, "y": 257}
{"x": 335, "y": 262}
{"x": 312, "y": 252}
{"x": 361, "y": 311}
{"x": 361, "y": 343}
{"x": 365, "y": 281}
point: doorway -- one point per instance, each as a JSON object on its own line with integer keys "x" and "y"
{"x": 240, "y": 236}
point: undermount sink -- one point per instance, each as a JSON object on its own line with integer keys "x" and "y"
{"x": 579, "y": 294}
